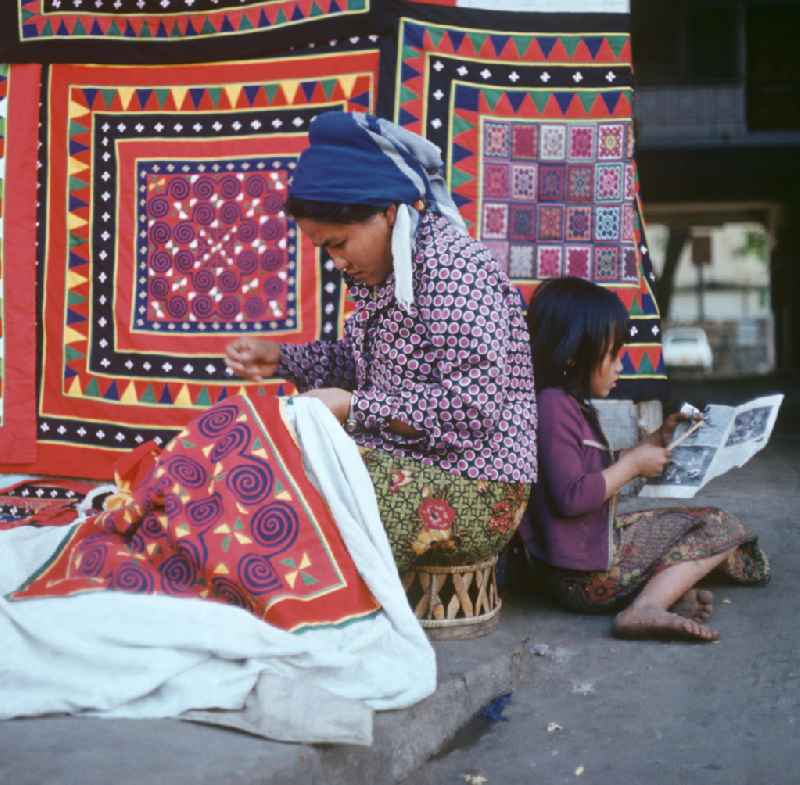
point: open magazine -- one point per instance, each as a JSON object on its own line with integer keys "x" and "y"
{"x": 728, "y": 437}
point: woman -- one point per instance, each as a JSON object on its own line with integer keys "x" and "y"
{"x": 433, "y": 377}
{"x": 593, "y": 560}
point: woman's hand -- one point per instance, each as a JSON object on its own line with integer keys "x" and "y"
{"x": 336, "y": 399}
{"x": 648, "y": 459}
{"x": 252, "y": 358}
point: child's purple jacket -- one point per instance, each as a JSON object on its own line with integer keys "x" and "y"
{"x": 567, "y": 523}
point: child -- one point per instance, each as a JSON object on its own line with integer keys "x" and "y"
{"x": 594, "y": 560}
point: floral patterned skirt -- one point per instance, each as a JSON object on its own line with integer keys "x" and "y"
{"x": 647, "y": 542}
{"x": 435, "y": 517}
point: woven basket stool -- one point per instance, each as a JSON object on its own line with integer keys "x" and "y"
{"x": 454, "y": 603}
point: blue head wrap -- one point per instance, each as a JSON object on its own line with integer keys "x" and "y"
{"x": 357, "y": 158}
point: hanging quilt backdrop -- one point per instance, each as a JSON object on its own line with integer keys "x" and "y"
{"x": 19, "y": 98}
{"x": 162, "y": 236}
{"x": 533, "y": 114}
{"x": 172, "y": 31}
{"x": 225, "y": 513}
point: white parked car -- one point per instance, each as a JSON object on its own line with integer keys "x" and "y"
{"x": 687, "y": 347}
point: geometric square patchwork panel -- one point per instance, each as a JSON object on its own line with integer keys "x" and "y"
{"x": 162, "y": 236}
{"x": 536, "y": 128}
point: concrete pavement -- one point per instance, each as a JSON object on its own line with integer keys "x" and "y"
{"x": 629, "y": 713}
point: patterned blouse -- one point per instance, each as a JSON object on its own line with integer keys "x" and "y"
{"x": 456, "y": 367}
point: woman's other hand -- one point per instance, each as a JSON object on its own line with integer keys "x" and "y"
{"x": 252, "y": 358}
{"x": 336, "y": 399}
{"x": 648, "y": 459}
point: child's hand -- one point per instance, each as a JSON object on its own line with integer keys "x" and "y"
{"x": 648, "y": 459}
{"x": 252, "y": 358}
{"x": 664, "y": 435}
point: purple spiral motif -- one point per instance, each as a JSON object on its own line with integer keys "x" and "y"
{"x": 204, "y": 512}
{"x": 273, "y": 287}
{"x": 203, "y": 187}
{"x": 151, "y": 527}
{"x": 230, "y": 187}
{"x": 275, "y": 527}
{"x": 254, "y": 185}
{"x": 230, "y": 212}
{"x": 237, "y": 438}
{"x": 247, "y": 261}
{"x": 250, "y": 483}
{"x": 202, "y": 306}
{"x": 183, "y": 233}
{"x": 247, "y": 230}
{"x": 178, "y": 573}
{"x": 184, "y": 260}
{"x": 203, "y": 280}
{"x": 159, "y": 288}
{"x": 203, "y": 213}
{"x": 158, "y": 207}
{"x": 162, "y": 484}
{"x": 137, "y": 542}
{"x": 272, "y": 230}
{"x": 160, "y": 233}
{"x": 257, "y": 575}
{"x": 187, "y": 471}
{"x": 217, "y": 420}
{"x": 177, "y": 306}
{"x": 229, "y": 307}
{"x": 178, "y": 188}
{"x": 273, "y": 202}
{"x": 131, "y": 577}
{"x": 228, "y": 281}
{"x": 272, "y": 260}
{"x": 161, "y": 261}
{"x": 227, "y": 591}
{"x": 254, "y": 307}
{"x": 93, "y": 558}
{"x": 172, "y": 505}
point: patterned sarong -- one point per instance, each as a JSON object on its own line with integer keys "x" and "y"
{"x": 225, "y": 513}
{"x": 647, "y": 542}
{"x": 434, "y": 517}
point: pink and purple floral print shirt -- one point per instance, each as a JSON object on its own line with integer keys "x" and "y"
{"x": 456, "y": 367}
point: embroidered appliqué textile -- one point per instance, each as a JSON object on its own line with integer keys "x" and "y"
{"x": 171, "y": 31}
{"x": 162, "y": 236}
{"x": 18, "y": 98}
{"x": 227, "y": 514}
{"x": 42, "y": 502}
{"x": 535, "y": 122}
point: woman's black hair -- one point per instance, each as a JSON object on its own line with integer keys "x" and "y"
{"x": 572, "y": 324}
{"x": 328, "y": 212}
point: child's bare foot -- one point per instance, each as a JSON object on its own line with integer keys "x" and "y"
{"x": 697, "y": 604}
{"x": 653, "y": 622}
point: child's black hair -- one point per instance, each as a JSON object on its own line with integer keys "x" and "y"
{"x": 572, "y": 324}
{"x": 328, "y": 212}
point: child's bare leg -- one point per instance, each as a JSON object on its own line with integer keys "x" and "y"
{"x": 649, "y": 615}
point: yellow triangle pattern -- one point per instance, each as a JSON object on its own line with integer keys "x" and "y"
{"x": 71, "y": 336}
{"x": 75, "y": 279}
{"x": 130, "y": 396}
{"x": 221, "y": 569}
{"x": 183, "y": 398}
{"x": 75, "y": 390}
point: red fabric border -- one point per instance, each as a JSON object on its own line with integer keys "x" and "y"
{"x": 18, "y": 431}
